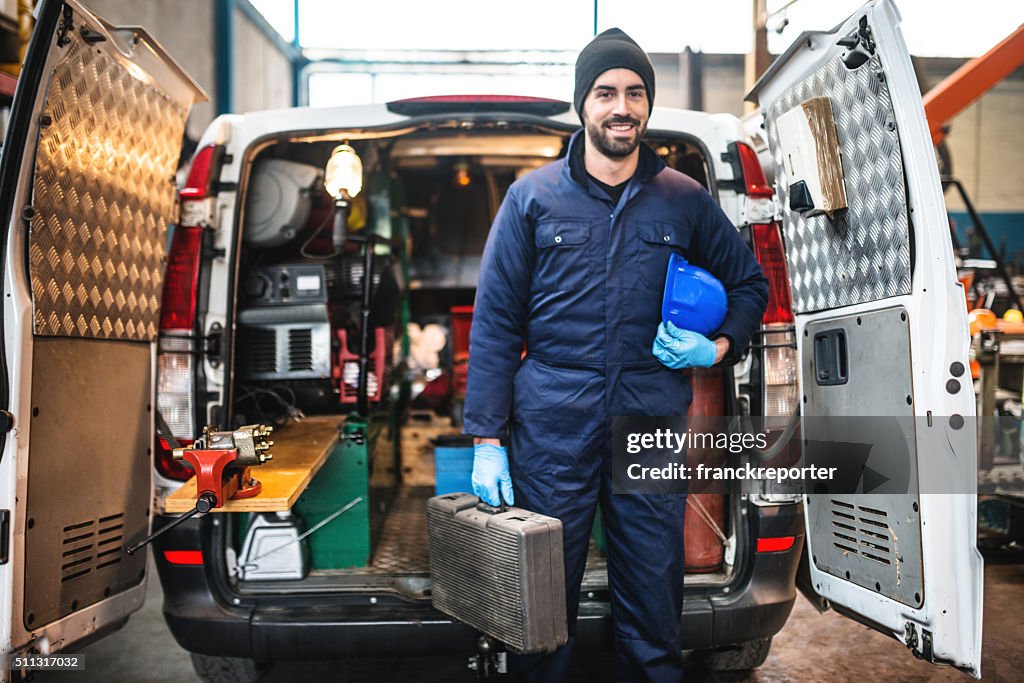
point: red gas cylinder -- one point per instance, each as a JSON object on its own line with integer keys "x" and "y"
{"x": 704, "y": 550}
{"x": 705, "y": 512}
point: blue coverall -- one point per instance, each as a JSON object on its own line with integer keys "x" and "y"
{"x": 580, "y": 280}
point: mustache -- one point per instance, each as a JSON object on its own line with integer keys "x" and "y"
{"x": 616, "y": 120}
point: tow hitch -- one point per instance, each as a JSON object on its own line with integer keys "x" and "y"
{"x": 488, "y": 662}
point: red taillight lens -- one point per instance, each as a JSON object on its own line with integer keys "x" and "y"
{"x": 200, "y": 177}
{"x": 184, "y": 556}
{"x": 776, "y": 544}
{"x": 167, "y": 465}
{"x": 181, "y": 280}
{"x": 757, "y": 186}
{"x": 771, "y": 255}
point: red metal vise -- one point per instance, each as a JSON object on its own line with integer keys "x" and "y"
{"x": 221, "y": 461}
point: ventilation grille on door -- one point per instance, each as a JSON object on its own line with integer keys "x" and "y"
{"x": 861, "y": 531}
{"x": 91, "y": 546}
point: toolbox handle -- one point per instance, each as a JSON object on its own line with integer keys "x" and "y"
{"x": 490, "y": 509}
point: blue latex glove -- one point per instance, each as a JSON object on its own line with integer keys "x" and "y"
{"x": 677, "y": 348}
{"x": 490, "y": 470}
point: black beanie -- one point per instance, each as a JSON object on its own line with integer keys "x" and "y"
{"x": 611, "y": 49}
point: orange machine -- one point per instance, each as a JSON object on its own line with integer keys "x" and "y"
{"x": 972, "y": 80}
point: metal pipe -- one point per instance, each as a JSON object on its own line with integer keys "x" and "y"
{"x": 286, "y": 48}
{"x": 300, "y": 95}
{"x": 979, "y": 228}
{"x": 363, "y": 398}
{"x": 224, "y": 40}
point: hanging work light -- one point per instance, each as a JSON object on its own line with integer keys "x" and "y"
{"x": 343, "y": 180}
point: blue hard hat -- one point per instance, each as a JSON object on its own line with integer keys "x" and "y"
{"x": 694, "y": 298}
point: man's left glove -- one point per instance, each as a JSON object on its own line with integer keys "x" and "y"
{"x": 677, "y": 348}
{"x": 490, "y": 471}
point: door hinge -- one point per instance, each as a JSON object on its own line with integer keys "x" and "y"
{"x": 922, "y": 649}
{"x": 5, "y": 536}
{"x": 213, "y": 342}
{"x": 67, "y": 24}
{"x": 859, "y": 43}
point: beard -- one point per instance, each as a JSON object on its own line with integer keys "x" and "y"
{"x": 611, "y": 147}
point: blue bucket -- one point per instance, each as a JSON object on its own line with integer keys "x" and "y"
{"x": 453, "y": 464}
{"x": 694, "y": 298}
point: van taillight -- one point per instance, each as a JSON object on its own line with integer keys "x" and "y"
{"x": 772, "y": 257}
{"x": 757, "y": 186}
{"x": 779, "y": 393}
{"x": 180, "y": 283}
{"x": 175, "y": 399}
{"x": 178, "y": 310}
{"x": 177, "y": 347}
{"x": 201, "y": 176}
{"x": 175, "y": 391}
{"x": 780, "y": 397}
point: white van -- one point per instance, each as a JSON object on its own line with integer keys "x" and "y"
{"x": 255, "y": 317}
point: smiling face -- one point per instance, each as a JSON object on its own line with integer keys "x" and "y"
{"x": 615, "y": 113}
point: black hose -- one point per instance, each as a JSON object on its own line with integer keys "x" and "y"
{"x": 164, "y": 432}
{"x": 779, "y": 443}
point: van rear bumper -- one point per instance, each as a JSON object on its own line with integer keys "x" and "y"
{"x": 205, "y": 618}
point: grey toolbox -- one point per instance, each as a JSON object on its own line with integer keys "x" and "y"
{"x": 499, "y": 571}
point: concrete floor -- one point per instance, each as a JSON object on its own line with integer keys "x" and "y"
{"x": 812, "y": 647}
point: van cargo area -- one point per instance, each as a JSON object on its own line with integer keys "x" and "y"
{"x": 236, "y": 347}
{"x": 430, "y": 195}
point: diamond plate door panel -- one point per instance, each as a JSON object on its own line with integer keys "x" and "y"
{"x": 863, "y": 253}
{"x": 103, "y": 194}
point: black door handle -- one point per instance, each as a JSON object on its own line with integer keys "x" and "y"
{"x": 831, "y": 364}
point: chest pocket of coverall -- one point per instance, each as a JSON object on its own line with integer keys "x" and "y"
{"x": 658, "y": 240}
{"x": 563, "y": 262}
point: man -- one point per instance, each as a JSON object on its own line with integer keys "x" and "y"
{"x": 574, "y": 267}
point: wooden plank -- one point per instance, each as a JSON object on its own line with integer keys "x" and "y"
{"x": 299, "y": 450}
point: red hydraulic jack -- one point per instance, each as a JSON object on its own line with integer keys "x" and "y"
{"x": 222, "y": 462}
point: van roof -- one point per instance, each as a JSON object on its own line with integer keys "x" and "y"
{"x": 313, "y": 121}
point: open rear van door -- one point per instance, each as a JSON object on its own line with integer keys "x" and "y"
{"x": 86, "y": 196}
{"x": 882, "y": 335}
